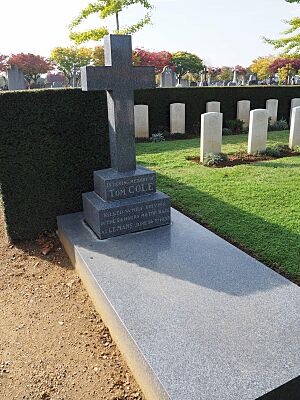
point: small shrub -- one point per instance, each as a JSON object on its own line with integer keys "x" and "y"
{"x": 296, "y": 149}
{"x": 277, "y": 150}
{"x": 227, "y": 131}
{"x": 280, "y": 125}
{"x": 235, "y": 125}
{"x": 157, "y": 137}
{"x": 211, "y": 159}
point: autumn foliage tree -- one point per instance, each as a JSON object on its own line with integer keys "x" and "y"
{"x": 69, "y": 60}
{"x": 33, "y": 66}
{"x": 159, "y": 59}
{"x": 261, "y": 67}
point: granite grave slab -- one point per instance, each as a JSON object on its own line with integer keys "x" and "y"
{"x": 194, "y": 317}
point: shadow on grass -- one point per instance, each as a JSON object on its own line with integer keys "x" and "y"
{"x": 267, "y": 242}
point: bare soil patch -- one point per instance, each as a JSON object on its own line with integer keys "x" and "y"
{"x": 53, "y": 344}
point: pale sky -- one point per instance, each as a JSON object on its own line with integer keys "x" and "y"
{"x": 222, "y": 32}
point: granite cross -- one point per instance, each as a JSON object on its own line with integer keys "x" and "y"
{"x": 119, "y": 78}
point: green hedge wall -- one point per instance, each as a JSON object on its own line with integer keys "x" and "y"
{"x": 159, "y": 101}
{"x": 51, "y": 141}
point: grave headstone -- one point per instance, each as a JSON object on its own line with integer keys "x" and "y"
{"x": 243, "y": 111}
{"x": 177, "y": 118}
{"x": 16, "y": 80}
{"x": 295, "y": 128}
{"x": 124, "y": 199}
{"x": 272, "y": 107}
{"x": 258, "y": 130}
{"x": 193, "y": 84}
{"x": 231, "y": 84}
{"x": 167, "y": 77}
{"x": 211, "y": 133}
{"x": 184, "y": 83}
{"x": 294, "y": 103}
{"x": 213, "y": 106}
{"x": 141, "y": 121}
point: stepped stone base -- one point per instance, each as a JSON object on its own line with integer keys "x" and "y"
{"x": 108, "y": 219}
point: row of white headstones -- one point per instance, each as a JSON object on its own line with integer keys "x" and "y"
{"x": 212, "y": 123}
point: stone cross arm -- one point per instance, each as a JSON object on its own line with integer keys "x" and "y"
{"x": 107, "y": 78}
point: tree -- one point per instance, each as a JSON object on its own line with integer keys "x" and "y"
{"x": 3, "y": 65}
{"x": 55, "y": 77}
{"x": 107, "y": 8}
{"x": 187, "y": 63}
{"x": 285, "y": 68}
{"x": 32, "y": 65}
{"x": 225, "y": 74}
{"x": 69, "y": 60}
{"x": 261, "y": 67}
{"x": 98, "y": 55}
{"x": 159, "y": 59}
{"x": 291, "y": 43}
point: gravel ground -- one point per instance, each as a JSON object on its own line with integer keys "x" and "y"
{"x": 53, "y": 344}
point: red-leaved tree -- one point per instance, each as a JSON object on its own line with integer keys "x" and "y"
{"x": 283, "y": 62}
{"x": 32, "y": 65}
{"x": 159, "y": 59}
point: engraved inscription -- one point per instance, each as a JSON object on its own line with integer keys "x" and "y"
{"x": 130, "y": 187}
{"x": 137, "y": 217}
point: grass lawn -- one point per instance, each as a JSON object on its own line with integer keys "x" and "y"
{"x": 256, "y": 206}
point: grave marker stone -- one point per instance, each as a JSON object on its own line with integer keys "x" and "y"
{"x": 124, "y": 198}
{"x": 243, "y": 111}
{"x": 167, "y": 77}
{"x": 16, "y": 80}
{"x": 141, "y": 121}
{"x": 213, "y": 106}
{"x": 211, "y": 133}
{"x": 272, "y": 107}
{"x": 294, "y": 103}
{"x": 177, "y": 118}
{"x": 258, "y": 130}
{"x": 295, "y": 128}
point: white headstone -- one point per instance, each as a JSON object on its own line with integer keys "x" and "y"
{"x": 213, "y": 106}
{"x": 272, "y": 107}
{"x": 141, "y": 121}
{"x": 258, "y": 130}
{"x": 294, "y": 103}
{"x": 177, "y": 118}
{"x": 295, "y": 128}
{"x": 211, "y": 133}
{"x": 167, "y": 77}
{"x": 243, "y": 111}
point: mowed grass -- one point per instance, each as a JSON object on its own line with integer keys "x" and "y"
{"x": 256, "y": 206}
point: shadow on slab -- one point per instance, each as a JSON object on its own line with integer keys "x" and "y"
{"x": 187, "y": 251}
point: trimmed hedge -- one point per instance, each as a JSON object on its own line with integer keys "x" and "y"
{"x": 51, "y": 141}
{"x": 196, "y": 99}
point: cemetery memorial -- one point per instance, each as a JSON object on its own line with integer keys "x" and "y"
{"x": 195, "y": 317}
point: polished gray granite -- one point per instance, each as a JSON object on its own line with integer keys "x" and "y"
{"x": 196, "y": 318}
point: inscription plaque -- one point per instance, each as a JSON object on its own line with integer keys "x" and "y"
{"x": 112, "y": 185}
{"x": 116, "y": 218}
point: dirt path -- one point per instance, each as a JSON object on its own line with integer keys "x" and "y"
{"x": 53, "y": 344}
